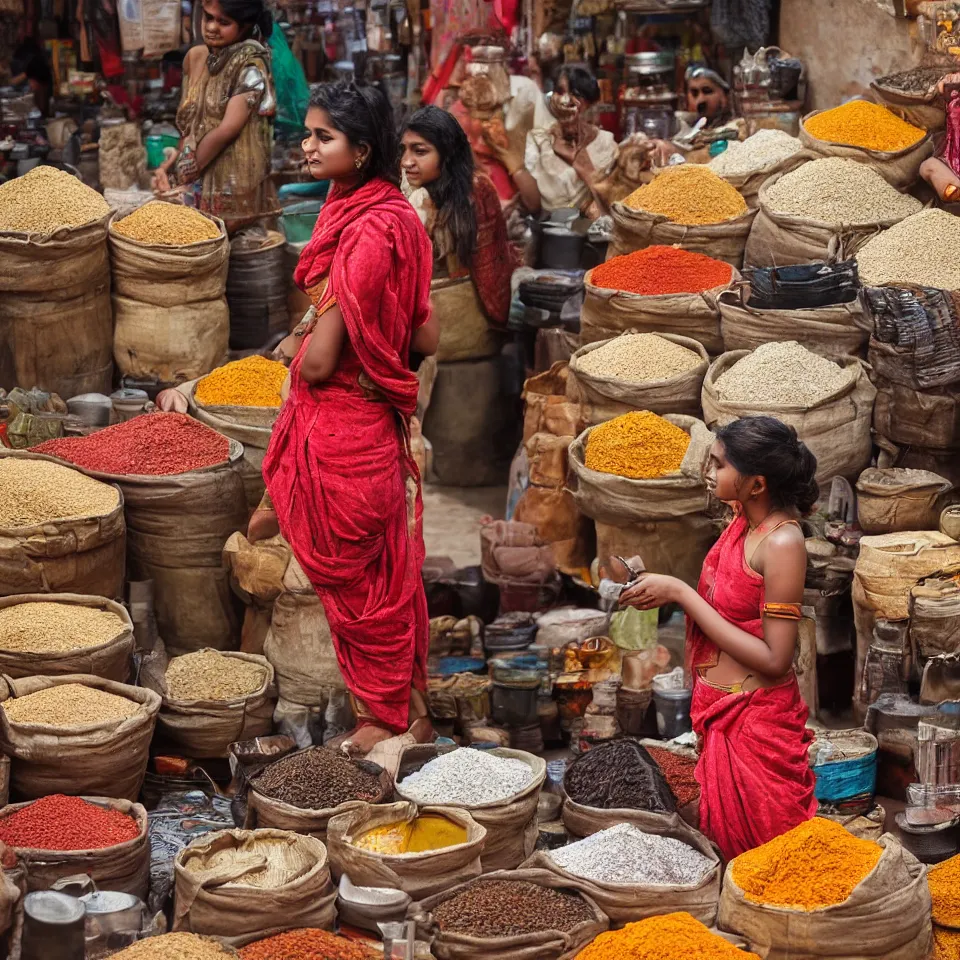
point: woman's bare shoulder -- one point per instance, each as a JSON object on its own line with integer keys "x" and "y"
{"x": 194, "y": 57}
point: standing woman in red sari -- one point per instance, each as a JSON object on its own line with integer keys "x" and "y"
{"x": 339, "y": 473}
{"x": 742, "y": 625}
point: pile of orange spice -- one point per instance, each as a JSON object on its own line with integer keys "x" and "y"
{"x": 815, "y": 865}
{"x": 661, "y": 269}
{"x": 944, "y": 883}
{"x": 859, "y": 123}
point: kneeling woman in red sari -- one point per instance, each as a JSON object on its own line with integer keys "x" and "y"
{"x": 742, "y": 624}
{"x": 339, "y": 472}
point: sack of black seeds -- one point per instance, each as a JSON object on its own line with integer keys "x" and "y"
{"x": 509, "y": 915}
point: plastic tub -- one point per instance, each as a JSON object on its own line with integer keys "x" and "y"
{"x": 298, "y": 220}
{"x": 672, "y": 702}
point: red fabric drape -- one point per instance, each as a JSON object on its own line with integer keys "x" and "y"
{"x": 755, "y": 781}
{"x": 338, "y": 468}
{"x": 493, "y": 260}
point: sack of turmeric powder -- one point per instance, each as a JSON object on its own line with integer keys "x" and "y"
{"x": 886, "y": 917}
{"x": 420, "y": 874}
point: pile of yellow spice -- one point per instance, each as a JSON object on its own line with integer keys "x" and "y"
{"x": 251, "y": 382}
{"x": 860, "y": 123}
{"x": 166, "y": 224}
{"x": 639, "y": 445}
{"x": 689, "y": 194}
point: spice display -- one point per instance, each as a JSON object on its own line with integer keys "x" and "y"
{"x": 210, "y": 675}
{"x": 689, "y": 194}
{"x": 638, "y": 445}
{"x": 316, "y": 779}
{"x": 624, "y": 854}
{"x": 784, "y": 373}
{"x": 510, "y": 908}
{"x": 39, "y": 627}
{"x": 307, "y": 944}
{"x": 168, "y": 224}
{"x": 660, "y": 269}
{"x": 639, "y": 358}
{"x": 154, "y": 444}
{"x": 45, "y": 199}
{"x": 420, "y": 835}
{"x": 251, "y": 382}
{"x": 618, "y": 775}
{"x": 946, "y": 944}
{"x": 944, "y": 883}
{"x": 837, "y": 190}
{"x": 920, "y": 251}
{"x": 69, "y": 705}
{"x": 467, "y": 778}
{"x": 678, "y": 772}
{"x": 57, "y": 822}
{"x": 35, "y": 491}
{"x": 175, "y": 946}
{"x": 859, "y": 123}
{"x": 763, "y": 149}
{"x": 670, "y": 937}
{"x": 817, "y": 864}
{"x": 284, "y": 858}
{"x": 917, "y": 80}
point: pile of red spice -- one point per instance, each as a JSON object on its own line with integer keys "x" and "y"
{"x": 153, "y": 444}
{"x": 307, "y": 944}
{"x": 656, "y": 270}
{"x": 678, "y": 772}
{"x": 57, "y": 822}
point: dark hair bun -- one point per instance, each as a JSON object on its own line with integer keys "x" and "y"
{"x": 265, "y": 24}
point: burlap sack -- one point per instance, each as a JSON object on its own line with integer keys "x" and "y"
{"x": 465, "y": 333}
{"x": 251, "y": 426}
{"x": 887, "y": 916}
{"x": 666, "y": 521}
{"x": 107, "y": 759}
{"x": 583, "y": 821}
{"x": 202, "y": 729}
{"x": 831, "y": 331}
{"x": 170, "y": 308}
{"x": 213, "y": 903}
{"x": 608, "y": 313}
{"x": 417, "y": 874}
{"x": 892, "y": 500}
{"x": 56, "y": 322}
{"x": 547, "y": 456}
{"x": 124, "y": 867}
{"x": 924, "y": 109}
{"x": 927, "y": 419}
{"x": 511, "y": 824}
{"x": 625, "y": 903}
{"x": 547, "y": 408}
{"x": 81, "y": 555}
{"x": 559, "y": 521}
{"x": 900, "y": 168}
{"x": 637, "y": 229}
{"x": 548, "y": 945}
{"x": 603, "y": 398}
{"x": 837, "y": 429}
{"x": 110, "y": 659}
{"x": 748, "y": 184}
{"x": 935, "y": 617}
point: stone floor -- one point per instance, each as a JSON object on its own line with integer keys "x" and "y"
{"x": 451, "y": 519}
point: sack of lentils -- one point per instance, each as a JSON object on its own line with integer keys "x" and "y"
{"x": 819, "y": 892}
{"x": 183, "y": 497}
{"x": 499, "y": 788}
{"x": 640, "y": 477}
{"x": 823, "y": 210}
{"x": 241, "y": 400}
{"x": 420, "y": 851}
{"x": 56, "y": 322}
{"x": 78, "y": 735}
{"x": 869, "y": 134}
{"x": 244, "y": 885}
{"x": 829, "y": 403}
{"x": 658, "y": 289}
{"x": 745, "y": 164}
{"x": 510, "y": 915}
{"x": 55, "y": 634}
{"x": 60, "y": 532}
{"x": 633, "y": 872}
{"x": 177, "y": 946}
{"x": 169, "y": 292}
{"x": 59, "y": 836}
{"x": 303, "y": 791}
{"x": 211, "y": 699}
{"x": 688, "y": 205}
{"x": 662, "y": 373}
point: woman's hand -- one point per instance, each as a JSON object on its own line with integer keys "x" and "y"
{"x": 949, "y": 78}
{"x": 507, "y": 145}
{"x": 653, "y": 590}
{"x": 161, "y": 179}
{"x": 286, "y": 350}
{"x": 663, "y": 150}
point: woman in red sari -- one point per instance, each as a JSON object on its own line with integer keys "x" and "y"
{"x": 742, "y": 624}
{"x": 339, "y": 472}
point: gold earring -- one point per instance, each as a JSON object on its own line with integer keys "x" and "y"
{"x": 358, "y": 163}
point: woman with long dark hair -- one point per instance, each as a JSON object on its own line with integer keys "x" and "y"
{"x": 459, "y": 207}
{"x": 742, "y": 627}
{"x": 225, "y": 117}
{"x": 339, "y": 472}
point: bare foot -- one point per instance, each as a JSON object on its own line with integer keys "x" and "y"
{"x": 422, "y": 730}
{"x": 361, "y": 740}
